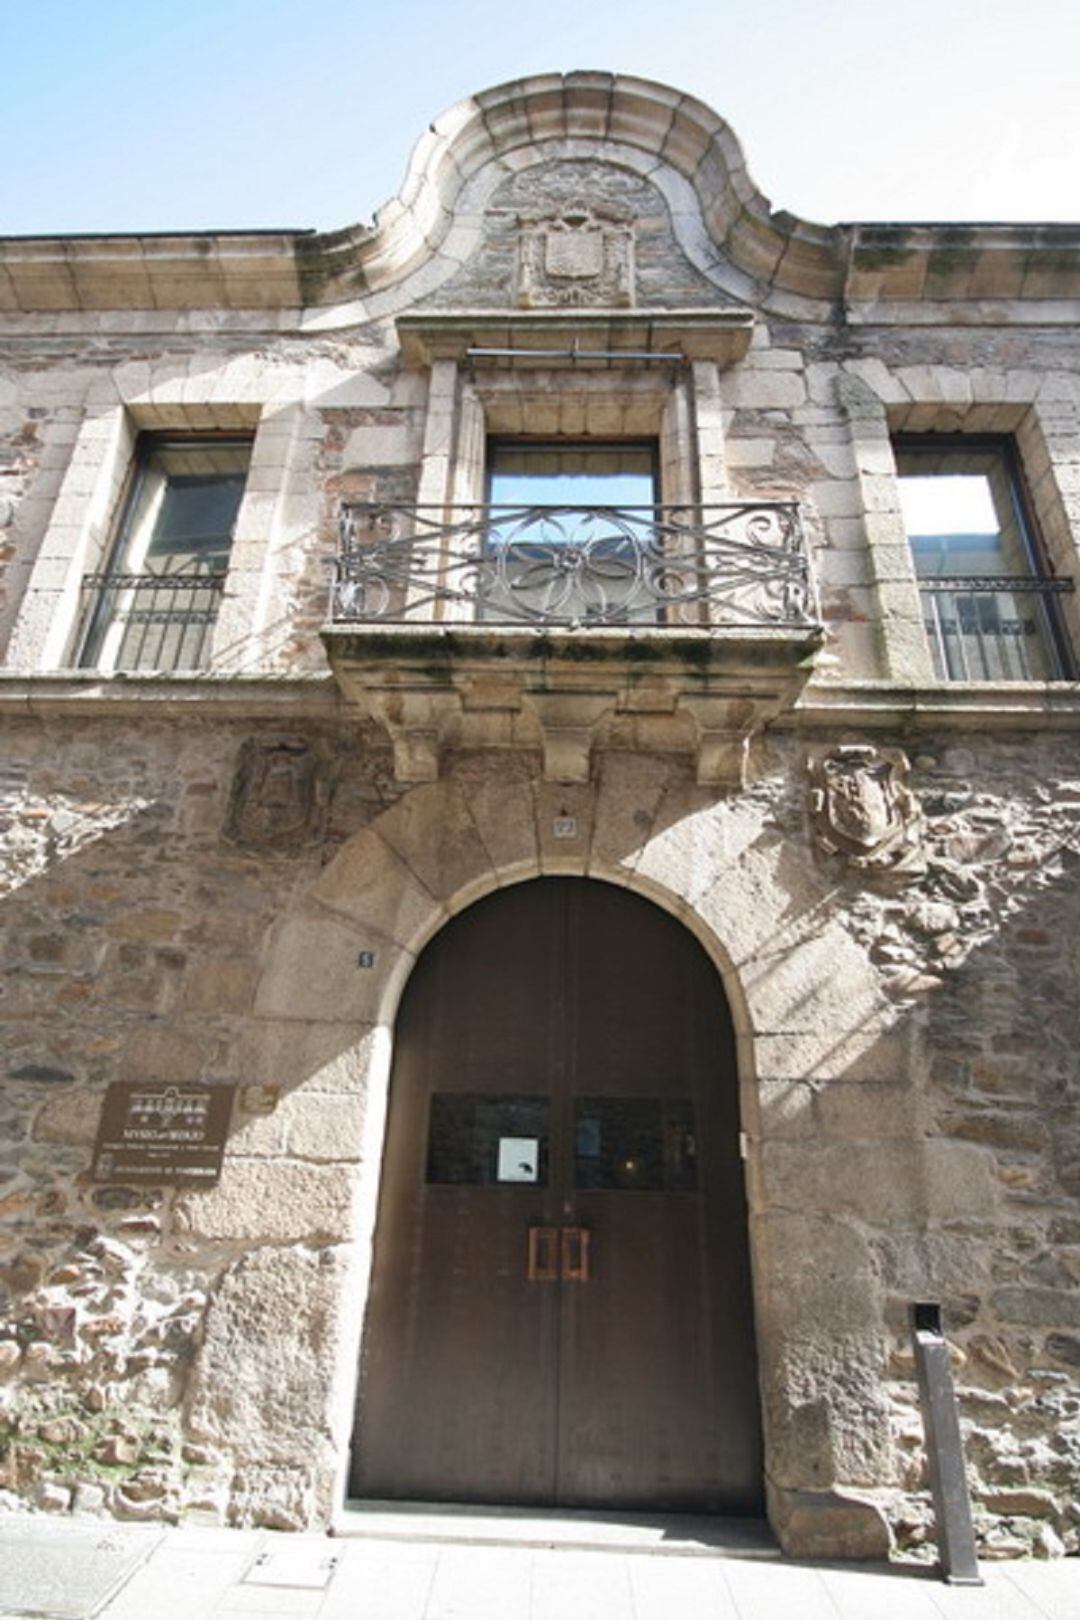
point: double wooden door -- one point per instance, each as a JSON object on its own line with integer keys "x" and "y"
{"x": 560, "y": 1307}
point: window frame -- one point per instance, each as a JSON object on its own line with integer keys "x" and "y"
{"x": 102, "y": 609}
{"x": 1040, "y": 566}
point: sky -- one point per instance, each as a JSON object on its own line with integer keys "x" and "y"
{"x": 151, "y": 115}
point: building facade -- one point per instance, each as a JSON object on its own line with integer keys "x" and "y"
{"x": 553, "y": 720}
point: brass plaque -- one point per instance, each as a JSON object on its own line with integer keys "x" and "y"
{"x": 163, "y": 1136}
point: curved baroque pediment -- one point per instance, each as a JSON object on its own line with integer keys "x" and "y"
{"x": 568, "y": 177}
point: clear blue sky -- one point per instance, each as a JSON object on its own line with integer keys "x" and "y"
{"x": 125, "y": 116}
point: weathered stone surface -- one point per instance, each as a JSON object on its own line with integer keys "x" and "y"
{"x": 829, "y": 1524}
{"x": 323, "y": 1127}
{"x": 70, "y": 1117}
{"x": 277, "y": 1199}
{"x": 321, "y": 1056}
{"x": 344, "y": 989}
{"x": 499, "y": 793}
{"x": 220, "y": 987}
{"x": 370, "y": 884}
{"x": 259, "y": 1384}
{"x": 433, "y": 831}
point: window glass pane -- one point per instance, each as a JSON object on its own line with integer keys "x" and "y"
{"x": 578, "y": 565}
{"x": 484, "y": 1141}
{"x": 572, "y": 475}
{"x": 964, "y": 521}
{"x": 184, "y": 506}
{"x": 960, "y": 513}
{"x": 637, "y": 1144}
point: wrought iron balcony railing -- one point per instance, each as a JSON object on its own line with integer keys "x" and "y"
{"x": 741, "y": 565}
{"x": 996, "y": 627}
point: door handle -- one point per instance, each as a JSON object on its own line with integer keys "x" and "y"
{"x": 543, "y": 1262}
{"x": 574, "y": 1247}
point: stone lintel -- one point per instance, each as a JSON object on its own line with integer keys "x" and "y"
{"x": 722, "y": 335}
{"x": 435, "y": 687}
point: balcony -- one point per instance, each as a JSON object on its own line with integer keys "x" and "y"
{"x": 569, "y": 627}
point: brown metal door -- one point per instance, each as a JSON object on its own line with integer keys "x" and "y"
{"x": 560, "y": 1307}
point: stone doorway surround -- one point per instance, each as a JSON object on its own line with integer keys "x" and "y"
{"x": 806, "y": 1002}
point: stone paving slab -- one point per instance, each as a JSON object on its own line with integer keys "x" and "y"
{"x": 67, "y": 1571}
{"x": 193, "y": 1574}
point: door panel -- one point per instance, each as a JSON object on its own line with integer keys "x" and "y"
{"x": 575, "y": 1025}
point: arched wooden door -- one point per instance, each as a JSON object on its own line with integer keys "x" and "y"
{"x": 560, "y": 1308}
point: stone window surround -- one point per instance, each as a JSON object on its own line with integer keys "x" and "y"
{"x": 679, "y": 408}
{"x": 82, "y": 526}
{"x": 1046, "y": 438}
{"x": 674, "y": 398}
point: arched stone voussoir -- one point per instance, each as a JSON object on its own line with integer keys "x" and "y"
{"x": 433, "y": 832}
{"x": 498, "y": 789}
{"x": 375, "y": 887}
{"x": 325, "y": 968}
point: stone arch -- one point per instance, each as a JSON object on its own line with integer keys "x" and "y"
{"x": 751, "y": 897}
{"x": 806, "y": 1001}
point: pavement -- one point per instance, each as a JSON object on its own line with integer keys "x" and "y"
{"x": 402, "y": 1566}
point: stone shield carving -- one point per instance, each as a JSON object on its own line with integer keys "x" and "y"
{"x": 863, "y": 810}
{"x": 278, "y": 797}
{"x": 575, "y": 256}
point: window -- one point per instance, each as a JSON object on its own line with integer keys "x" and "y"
{"x": 989, "y": 604}
{"x": 572, "y": 532}
{"x": 155, "y": 604}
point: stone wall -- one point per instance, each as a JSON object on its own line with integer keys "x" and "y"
{"x": 908, "y": 1041}
{"x": 134, "y": 921}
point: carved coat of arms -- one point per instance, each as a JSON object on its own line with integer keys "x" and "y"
{"x": 577, "y": 255}
{"x": 278, "y": 797}
{"x": 863, "y": 809}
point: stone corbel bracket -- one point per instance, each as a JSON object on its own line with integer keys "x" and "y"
{"x": 437, "y": 688}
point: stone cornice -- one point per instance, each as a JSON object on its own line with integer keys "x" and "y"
{"x": 880, "y": 271}
{"x": 194, "y": 697}
{"x": 241, "y": 270}
{"x": 1015, "y": 706}
{"x": 976, "y": 705}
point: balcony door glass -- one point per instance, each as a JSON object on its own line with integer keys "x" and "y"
{"x": 571, "y": 537}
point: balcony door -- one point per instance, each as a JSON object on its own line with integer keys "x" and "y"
{"x": 560, "y": 1309}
